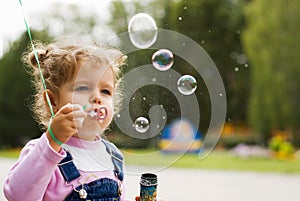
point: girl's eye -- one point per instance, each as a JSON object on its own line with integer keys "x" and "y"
{"x": 82, "y": 88}
{"x": 106, "y": 91}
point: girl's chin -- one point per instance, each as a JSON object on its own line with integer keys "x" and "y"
{"x": 89, "y": 130}
{"x": 88, "y": 135}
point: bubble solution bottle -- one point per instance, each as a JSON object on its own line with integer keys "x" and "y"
{"x": 148, "y": 187}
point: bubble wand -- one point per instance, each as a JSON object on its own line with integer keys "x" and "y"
{"x": 100, "y": 113}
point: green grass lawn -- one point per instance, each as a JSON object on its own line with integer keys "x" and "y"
{"x": 217, "y": 160}
{"x": 11, "y": 153}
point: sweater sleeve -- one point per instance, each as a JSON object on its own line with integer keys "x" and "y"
{"x": 28, "y": 178}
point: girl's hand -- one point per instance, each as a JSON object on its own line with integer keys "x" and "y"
{"x": 65, "y": 124}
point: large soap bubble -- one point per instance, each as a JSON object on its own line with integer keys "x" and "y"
{"x": 162, "y": 59}
{"x": 187, "y": 84}
{"x": 142, "y": 30}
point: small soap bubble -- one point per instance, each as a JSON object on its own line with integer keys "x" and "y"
{"x": 142, "y": 30}
{"x": 162, "y": 59}
{"x": 141, "y": 124}
{"x": 187, "y": 84}
{"x": 236, "y": 69}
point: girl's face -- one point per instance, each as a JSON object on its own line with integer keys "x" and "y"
{"x": 91, "y": 87}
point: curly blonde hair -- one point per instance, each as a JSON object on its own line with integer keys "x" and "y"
{"x": 59, "y": 64}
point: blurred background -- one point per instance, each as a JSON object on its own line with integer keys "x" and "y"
{"x": 255, "y": 45}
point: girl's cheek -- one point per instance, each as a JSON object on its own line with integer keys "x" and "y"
{"x": 83, "y": 100}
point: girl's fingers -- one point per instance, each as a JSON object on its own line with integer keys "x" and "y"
{"x": 72, "y": 111}
{"x": 77, "y": 107}
{"x": 78, "y": 114}
{"x": 70, "y": 108}
{"x": 66, "y": 109}
{"x": 76, "y": 124}
{"x": 71, "y": 115}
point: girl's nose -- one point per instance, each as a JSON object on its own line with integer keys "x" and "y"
{"x": 97, "y": 101}
{"x": 96, "y": 98}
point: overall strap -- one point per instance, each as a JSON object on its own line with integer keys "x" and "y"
{"x": 68, "y": 169}
{"x": 117, "y": 159}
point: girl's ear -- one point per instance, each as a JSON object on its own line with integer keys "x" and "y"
{"x": 53, "y": 100}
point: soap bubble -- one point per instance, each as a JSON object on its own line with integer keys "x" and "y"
{"x": 187, "y": 84}
{"x": 141, "y": 124}
{"x": 163, "y": 59}
{"x": 142, "y": 30}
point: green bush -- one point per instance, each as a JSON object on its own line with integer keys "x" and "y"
{"x": 281, "y": 147}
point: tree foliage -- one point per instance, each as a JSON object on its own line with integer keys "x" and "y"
{"x": 216, "y": 26}
{"x": 16, "y": 122}
{"x": 272, "y": 42}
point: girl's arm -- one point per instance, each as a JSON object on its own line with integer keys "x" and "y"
{"x": 29, "y": 177}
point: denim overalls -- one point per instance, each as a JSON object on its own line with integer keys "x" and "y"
{"x": 104, "y": 189}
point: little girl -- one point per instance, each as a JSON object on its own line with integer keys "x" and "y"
{"x": 70, "y": 161}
